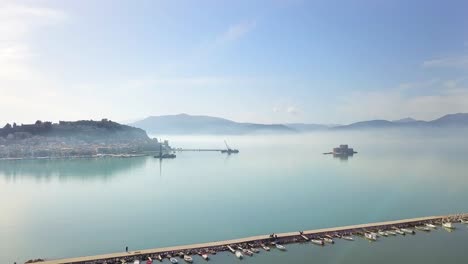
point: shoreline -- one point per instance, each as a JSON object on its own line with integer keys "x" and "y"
{"x": 256, "y": 241}
{"x": 81, "y": 157}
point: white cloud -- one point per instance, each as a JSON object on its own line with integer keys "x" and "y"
{"x": 452, "y": 97}
{"x": 447, "y": 62}
{"x": 237, "y": 31}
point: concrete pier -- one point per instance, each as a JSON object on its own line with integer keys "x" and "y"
{"x": 289, "y": 237}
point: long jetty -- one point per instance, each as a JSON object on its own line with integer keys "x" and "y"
{"x": 290, "y": 237}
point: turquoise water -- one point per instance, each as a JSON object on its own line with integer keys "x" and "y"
{"x": 65, "y": 208}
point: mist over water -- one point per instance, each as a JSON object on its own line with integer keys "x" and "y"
{"x": 277, "y": 183}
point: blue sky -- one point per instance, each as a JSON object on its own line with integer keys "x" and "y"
{"x": 260, "y": 61}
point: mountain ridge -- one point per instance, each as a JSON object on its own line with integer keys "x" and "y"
{"x": 202, "y": 124}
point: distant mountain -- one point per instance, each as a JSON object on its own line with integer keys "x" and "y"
{"x": 405, "y": 120}
{"x": 447, "y": 121}
{"x": 184, "y": 124}
{"x": 192, "y": 124}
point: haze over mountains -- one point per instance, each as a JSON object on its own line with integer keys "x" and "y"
{"x": 184, "y": 124}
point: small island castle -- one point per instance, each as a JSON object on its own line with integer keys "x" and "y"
{"x": 342, "y": 151}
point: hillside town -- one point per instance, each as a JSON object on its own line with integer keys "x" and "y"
{"x": 75, "y": 139}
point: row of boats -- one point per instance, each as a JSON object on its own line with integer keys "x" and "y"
{"x": 403, "y": 231}
{"x": 250, "y": 249}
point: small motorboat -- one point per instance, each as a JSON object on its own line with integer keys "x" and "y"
{"x": 239, "y": 254}
{"x": 382, "y": 233}
{"x": 231, "y": 249}
{"x": 448, "y": 225}
{"x": 398, "y": 231}
{"x": 173, "y": 260}
{"x": 247, "y": 252}
{"x": 463, "y": 221}
{"x": 265, "y": 247}
{"x": 317, "y": 242}
{"x": 188, "y": 259}
{"x": 255, "y": 250}
{"x": 431, "y": 226}
{"x": 280, "y": 247}
{"x": 408, "y": 231}
{"x": 371, "y": 236}
{"x": 328, "y": 240}
{"x": 391, "y": 233}
{"x": 423, "y": 228}
{"x": 205, "y": 256}
{"x": 349, "y": 238}
{"x": 136, "y": 262}
{"x": 149, "y": 261}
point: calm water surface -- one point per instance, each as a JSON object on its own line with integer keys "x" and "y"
{"x": 65, "y": 208}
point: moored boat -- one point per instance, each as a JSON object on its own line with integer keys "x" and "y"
{"x": 265, "y": 247}
{"x": 328, "y": 240}
{"x": 423, "y": 228}
{"x": 317, "y": 242}
{"x": 349, "y": 238}
{"x": 371, "y": 236}
{"x": 391, "y": 233}
{"x": 463, "y": 221}
{"x": 382, "y": 233}
{"x": 136, "y": 261}
{"x": 239, "y": 254}
{"x": 448, "y": 225}
{"x": 231, "y": 249}
{"x": 431, "y": 226}
{"x": 247, "y": 252}
{"x": 408, "y": 231}
{"x": 280, "y": 247}
{"x": 255, "y": 250}
{"x": 173, "y": 260}
{"x": 205, "y": 256}
{"x": 398, "y": 231}
{"x": 188, "y": 259}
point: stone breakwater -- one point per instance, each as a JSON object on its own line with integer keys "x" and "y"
{"x": 256, "y": 241}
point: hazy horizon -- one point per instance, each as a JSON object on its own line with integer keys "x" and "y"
{"x": 263, "y": 62}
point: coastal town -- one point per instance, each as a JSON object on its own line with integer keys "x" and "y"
{"x": 76, "y": 139}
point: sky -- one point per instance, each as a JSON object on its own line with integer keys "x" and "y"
{"x": 278, "y": 61}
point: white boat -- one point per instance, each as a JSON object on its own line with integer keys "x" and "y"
{"x": 205, "y": 256}
{"x": 280, "y": 247}
{"x": 383, "y": 233}
{"x": 431, "y": 226}
{"x": 328, "y": 240}
{"x": 239, "y": 254}
{"x": 136, "y": 262}
{"x": 188, "y": 259}
{"x": 265, "y": 247}
{"x": 173, "y": 260}
{"x": 448, "y": 225}
{"x": 463, "y": 221}
{"x": 371, "y": 236}
{"x": 247, "y": 252}
{"x": 398, "y": 231}
{"x": 423, "y": 228}
{"x": 408, "y": 231}
{"x": 349, "y": 238}
{"x": 317, "y": 242}
{"x": 255, "y": 250}
{"x": 231, "y": 249}
{"x": 374, "y": 234}
{"x": 391, "y": 233}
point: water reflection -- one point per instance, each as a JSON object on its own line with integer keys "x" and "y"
{"x": 84, "y": 169}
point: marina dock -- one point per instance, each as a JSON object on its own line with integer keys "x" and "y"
{"x": 283, "y": 238}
